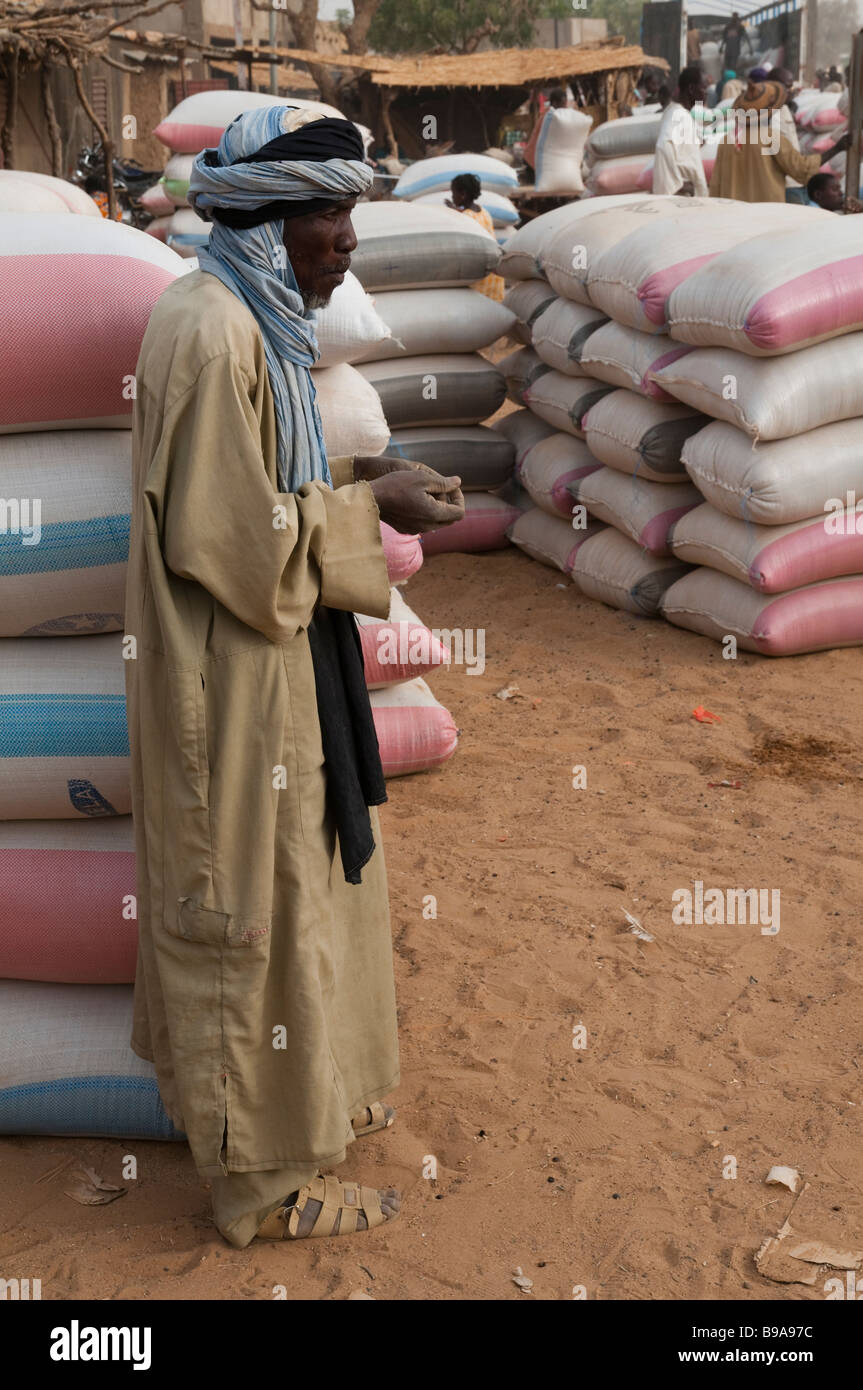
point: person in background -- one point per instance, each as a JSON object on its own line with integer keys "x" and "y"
{"x": 834, "y": 79}
{"x": 795, "y": 192}
{"x": 732, "y": 37}
{"x": 757, "y": 75}
{"x": 731, "y": 87}
{"x": 693, "y": 42}
{"x": 464, "y": 192}
{"x": 557, "y": 101}
{"x": 663, "y": 96}
{"x": 648, "y": 88}
{"x": 824, "y": 190}
{"x": 749, "y": 171}
{"x": 677, "y": 166}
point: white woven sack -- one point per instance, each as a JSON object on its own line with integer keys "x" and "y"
{"x": 432, "y": 320}
{"x": 350, "y": 326}
{"x": 779, "y": 481}
{"x": 772, "y": 397}
{"x": 66, "y": 572}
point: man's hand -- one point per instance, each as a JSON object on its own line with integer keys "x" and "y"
{"x": 414, "y": 500}
{"x": 842, "y": 144}
{"x": 368, "y": 467}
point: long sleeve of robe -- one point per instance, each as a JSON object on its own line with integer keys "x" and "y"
{"x": 677, "y": 159}
{"x": 264, "y": 991}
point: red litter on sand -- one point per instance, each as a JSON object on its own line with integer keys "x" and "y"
{"x": 704, "y": 716}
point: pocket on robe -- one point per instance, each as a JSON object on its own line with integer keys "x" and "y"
{"x": 209, "y": 928}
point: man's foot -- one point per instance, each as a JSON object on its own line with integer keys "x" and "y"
{"x": 375, "y": 1116}
{"x": 329, "y": 1207}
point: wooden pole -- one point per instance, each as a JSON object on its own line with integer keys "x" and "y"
{"x": 107, "y": 142}
{"x": 855, "y": 117}
{"x": 242, "y": 81}
{"x": 51, "y": 121}
{"x": 386, "y": 98}
{"x": 7, "y": 137}
{"x": 811, "y": 21}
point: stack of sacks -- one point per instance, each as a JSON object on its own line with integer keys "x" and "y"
{"x": 78, "y": 293}
{"x": 414, "y": 731}
{"x": 198, "y": 123}
{"x": 619, "y": 156}
{"x": 597, "y": 353}
{"x": 434, "y": 386}
{"x": 629, "y": 271}
{"x": 776, "y": 330}
{"x": 21, "y": 190}
{"x": 67, "y": 872}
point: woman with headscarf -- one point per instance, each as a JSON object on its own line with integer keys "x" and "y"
{"x": 264, "y": 992}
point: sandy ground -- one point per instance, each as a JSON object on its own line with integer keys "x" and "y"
{"x": 601, "y": 1166}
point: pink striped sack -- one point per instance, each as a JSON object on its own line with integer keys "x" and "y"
{"x": 633, "y": 280}
{"x": 777, "y": 292}
{"x": 550, "y": 539}
{"x": 75, "y": 297}
{"x": 551, "y": 467}
{"x": 771, "y": 558}
{"x": 573, "y": 249}
{"x": 643, "y": 511}
{"x": 199, "y": 121}
{"x": 483, "y": 527}
{"x": 414, "y": 731}
{"x": 67, "y": 901}
{"x": 624, "y": 357}
{"x": 156, "y": 201}
{"x": 815, "y": 618}
{"x": 399, "y": 648}
{"x": 403, "y": 554}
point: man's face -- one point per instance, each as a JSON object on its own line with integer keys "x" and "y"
{"x": 319, "y": 247}
{"x": 830, "y": 196}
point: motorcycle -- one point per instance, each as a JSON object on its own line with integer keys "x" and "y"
{"x": 130, "y": 182}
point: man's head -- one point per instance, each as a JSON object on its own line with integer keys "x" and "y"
{"x": 692, "y": 86}
{"x": 783, "y": 76}
{"x": 464, "y": 190}
{"x": 280, "y": 190}
{"x": 825, "y": 190}
{"x": 663, "y": 96}
{"x": 319, "y": 247}
{"x": 649, "y": 83}
{"x": 557, "y": 98}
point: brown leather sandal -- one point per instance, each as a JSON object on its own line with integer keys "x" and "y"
{"x": 376, "y": 1115}
{"x": 335, "y": 1196}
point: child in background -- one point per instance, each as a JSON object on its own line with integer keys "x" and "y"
{"x": 464, "y": 191}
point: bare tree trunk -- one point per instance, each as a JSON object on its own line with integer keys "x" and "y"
{"x": 47, "y": 72}
{"x": 357, "y": 32}
{"x": 7, "y": 138}
{"x": 107, "y": 142}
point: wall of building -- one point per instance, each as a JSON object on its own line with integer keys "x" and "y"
{"x": 566, "y": 33}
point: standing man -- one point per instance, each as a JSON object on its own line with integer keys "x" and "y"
{"x": 754, "y": 170}
{"x": 677, "y": 166}
{"x": 732, "y": 37}
{"x": 264, "y": 992}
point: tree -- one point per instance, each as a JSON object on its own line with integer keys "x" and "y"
{"x": 452, "y": 26}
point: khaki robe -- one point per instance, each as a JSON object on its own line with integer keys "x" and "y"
{"x": 264, "y": 993}
{"x": 753, "y": 175}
